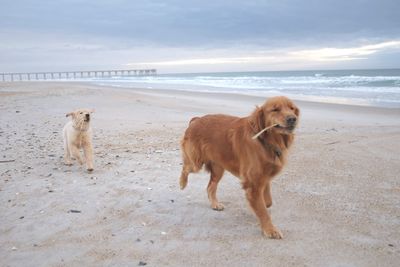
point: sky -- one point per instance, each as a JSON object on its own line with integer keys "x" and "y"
{"x": 184, "y": 36}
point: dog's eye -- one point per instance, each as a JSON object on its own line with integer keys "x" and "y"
{"x": 81, "y": 112}
{"x": 276, "y": 110}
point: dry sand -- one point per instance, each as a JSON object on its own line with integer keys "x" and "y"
{"x": 337, "y": 202}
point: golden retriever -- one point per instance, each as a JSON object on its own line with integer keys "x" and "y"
{"x": 223, "y": 142}
{"x": 77, "y": 134}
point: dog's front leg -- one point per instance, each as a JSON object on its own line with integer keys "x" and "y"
{"x": 88, "y": 151}
{"x": 267, "y": 195}
{"x": 255, "y": 196}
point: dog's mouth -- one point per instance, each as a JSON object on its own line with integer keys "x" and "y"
{"x": 288, "y": 128}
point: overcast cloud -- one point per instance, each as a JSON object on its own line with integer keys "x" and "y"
{"x": 191, "y": 36}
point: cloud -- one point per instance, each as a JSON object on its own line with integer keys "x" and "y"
{"x": 217, "y": 35}
{"x": 208, "y": 23}
{"x": 344, "y": 54}
{"x": 281, "y": 56}
{"x": 206, "y": 61}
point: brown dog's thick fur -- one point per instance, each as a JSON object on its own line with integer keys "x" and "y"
{"x": 222, "y": 142}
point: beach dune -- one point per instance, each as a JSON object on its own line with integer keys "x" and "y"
{"x": 337, "y": 201}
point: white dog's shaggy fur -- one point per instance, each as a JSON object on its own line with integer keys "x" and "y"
{"x": 77, "y": 134}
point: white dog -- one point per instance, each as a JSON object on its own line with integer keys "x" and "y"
{"x": 77, "y": 134}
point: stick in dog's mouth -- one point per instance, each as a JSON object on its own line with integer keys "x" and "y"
{"x": 263, "y": 130}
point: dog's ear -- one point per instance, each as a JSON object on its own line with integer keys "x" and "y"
{"x": 257, "y": 119}
{"x": 260, "y": 118}
{"x": 92, "y": 110}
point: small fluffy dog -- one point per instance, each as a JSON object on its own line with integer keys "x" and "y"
{"x": 77, "y": 134}
{"x": 222, "y": 142}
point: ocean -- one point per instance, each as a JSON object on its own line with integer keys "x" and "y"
{"x": 380, "y": 87}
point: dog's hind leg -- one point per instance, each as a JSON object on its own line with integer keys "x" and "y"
{"x": 216, "y": 173}
{"x": 67, "y": 155}
{"x": 75, "y": 153}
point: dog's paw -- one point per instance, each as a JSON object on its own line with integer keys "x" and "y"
{"x": 218, "y": 207}
{"x": 273, "y": 233}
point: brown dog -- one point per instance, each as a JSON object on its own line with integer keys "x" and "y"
{"x": 222, "y": 142}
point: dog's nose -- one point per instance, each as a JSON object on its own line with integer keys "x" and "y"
{"x": 87, "y": 116}
{"x": 291, "y": 120}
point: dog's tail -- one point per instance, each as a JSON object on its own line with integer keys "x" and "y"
{"x": 191, "y": 156}
{"x": 189, "y": 164}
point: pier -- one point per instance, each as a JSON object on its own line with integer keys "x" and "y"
{"x": 71, "y": 75}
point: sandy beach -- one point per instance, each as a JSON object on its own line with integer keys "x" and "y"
{"x": 337, "y": 202}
